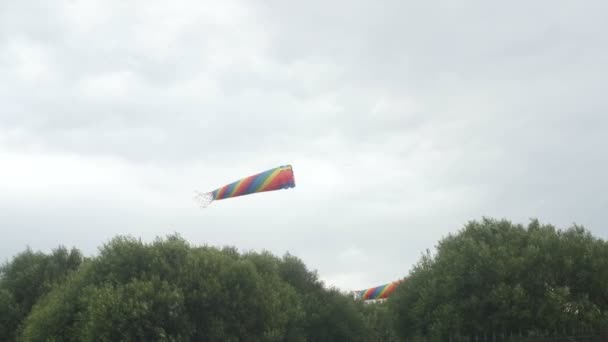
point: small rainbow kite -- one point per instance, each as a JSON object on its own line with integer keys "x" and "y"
{"x": 379, "y": 292}
{"x": 274, "y": 179}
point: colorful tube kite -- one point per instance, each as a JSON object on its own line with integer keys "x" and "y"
{"x": 379, "y": 292}
{"x": 273, "y": 179}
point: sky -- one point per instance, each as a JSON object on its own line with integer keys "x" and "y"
{"x": 403, "y": 121}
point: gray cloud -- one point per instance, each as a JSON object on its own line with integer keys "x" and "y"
{"x": 402, "y": 120}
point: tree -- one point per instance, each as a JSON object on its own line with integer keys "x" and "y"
{"x": 329, "y": 315}
{"x": 171, "y": 291}
{"x": 378, "y": 322}
{"x": 27, "y": 278}
{"x": 9, "y": 315}
{"x": 495, "y": 276}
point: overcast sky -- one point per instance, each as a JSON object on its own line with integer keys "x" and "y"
{"x": 403, "y": 120}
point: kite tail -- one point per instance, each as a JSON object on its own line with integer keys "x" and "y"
{"x": 203, "y": 199}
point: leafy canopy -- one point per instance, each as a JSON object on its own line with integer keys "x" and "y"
{"x": 497, "y": 276}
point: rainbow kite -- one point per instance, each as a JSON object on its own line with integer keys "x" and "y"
{"x": 379, "y": 292}
{"x": 273, "y": 179}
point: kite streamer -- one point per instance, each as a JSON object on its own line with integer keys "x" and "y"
{"x": 270, "y": 180}
{"x": 379, "y": 292}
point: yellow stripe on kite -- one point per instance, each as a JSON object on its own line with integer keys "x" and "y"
{"x": 270, "y": 178}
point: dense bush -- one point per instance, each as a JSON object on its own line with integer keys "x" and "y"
{"x": 171, "y": 291}
{"x": 27, "y": 278}
{"x": 495, "y": 276}
{"x": 492, "y": 277}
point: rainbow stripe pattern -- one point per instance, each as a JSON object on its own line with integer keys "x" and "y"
{"x": 379, "y": 292}
{"x": 274, "y": 179}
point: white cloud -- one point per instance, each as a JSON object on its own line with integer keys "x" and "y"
{"x": 402, "y": 120}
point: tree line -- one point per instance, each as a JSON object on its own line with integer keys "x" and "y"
{"x": 492, "y": 276}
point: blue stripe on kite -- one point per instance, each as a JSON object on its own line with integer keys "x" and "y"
{"x": 377, "y": 291}
{"x": 230, "y": 189}
{"x": 258, "y": 181}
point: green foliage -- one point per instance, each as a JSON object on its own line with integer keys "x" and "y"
{"x": 27, "y": 278}
{"x": 497, "y": 276}
{"x": 329, "y": 314}
{"x": 378, "y": 322}
{"x": 170, "y": 291}
{"x": 55, "y": 315}
{"x": 491, "y": 277}
{"x": 143, "y": 310}
{"x": 9, "y": 315}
